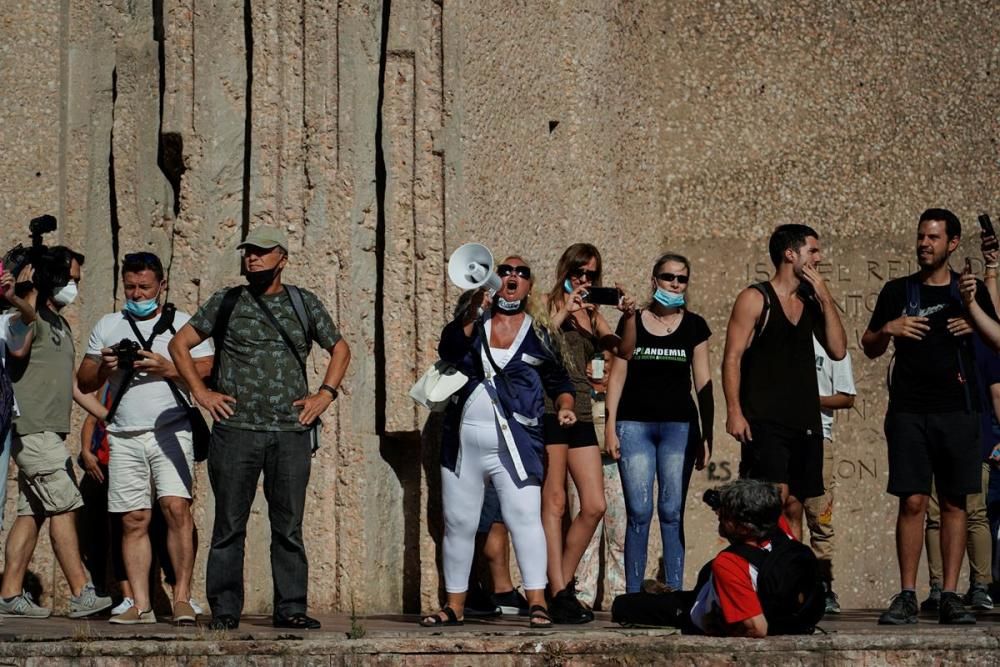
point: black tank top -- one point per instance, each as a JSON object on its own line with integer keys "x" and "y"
{"x": 778, "y": 370}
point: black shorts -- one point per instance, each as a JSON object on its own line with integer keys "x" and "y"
{"x": 580, "y": 434}
{"x": 784, "y": 455}
{"x": 941, "y": 446}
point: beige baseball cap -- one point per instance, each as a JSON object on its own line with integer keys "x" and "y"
{"x": 265, "y": 237}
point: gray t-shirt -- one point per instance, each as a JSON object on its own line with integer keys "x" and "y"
{"x": 43, "y": 381}
{"x": 255, "y": 365}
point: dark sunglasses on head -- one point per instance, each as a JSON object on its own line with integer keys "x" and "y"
{"x": 505, "y": 270}
{"x": 670, "y": 277}
{"x": 581, "y": 273}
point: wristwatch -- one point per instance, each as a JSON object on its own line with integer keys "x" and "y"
{"x": 330, "y": 390}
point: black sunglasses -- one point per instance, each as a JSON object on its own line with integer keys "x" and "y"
{"x": 581, "y": 273}
{"x": 505, "y": 270}
{"x": 670, "y": 277}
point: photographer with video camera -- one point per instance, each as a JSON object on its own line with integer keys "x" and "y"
{"x": 149, "y": 430}
{"x": 43, "y": 381}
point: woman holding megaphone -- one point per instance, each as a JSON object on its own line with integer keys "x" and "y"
{"x": 583, "y": 333}
{"x": 493, "y": 428}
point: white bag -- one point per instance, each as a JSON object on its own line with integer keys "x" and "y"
{"x": 435, "y": 387}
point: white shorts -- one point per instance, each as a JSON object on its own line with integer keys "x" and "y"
{"x": 146, "y": 462}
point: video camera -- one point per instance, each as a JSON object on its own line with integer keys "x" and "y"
{"x": 51, "y": 264}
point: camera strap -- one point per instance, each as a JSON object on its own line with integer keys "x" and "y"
{"x": 147, "y": 345}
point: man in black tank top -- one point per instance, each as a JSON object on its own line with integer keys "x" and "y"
{"x": 769, "y": 370}
{"x": 932, "y": 423}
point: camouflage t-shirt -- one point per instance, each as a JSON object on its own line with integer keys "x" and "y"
{"x": 255, "y": 366}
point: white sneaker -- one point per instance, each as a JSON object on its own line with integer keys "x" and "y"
{"x": 123, "y": 606}
{"x": 197, "y": 607}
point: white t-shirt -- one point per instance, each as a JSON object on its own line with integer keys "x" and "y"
{"x": 8, "y": 338}
{"x": 148, "y": 402}
{"x": 480, "y": 406}
{"x": 834, "y": 377}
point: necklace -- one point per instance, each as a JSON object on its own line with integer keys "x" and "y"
{"x": 663, "y": 320}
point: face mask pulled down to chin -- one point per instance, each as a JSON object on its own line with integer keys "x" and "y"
{"x": 261, "y": 280}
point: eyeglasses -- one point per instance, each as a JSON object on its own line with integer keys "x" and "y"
{"x": 671, "y": 277}
{"x": 505, "y": 270}
{"x": 581, "y": 273}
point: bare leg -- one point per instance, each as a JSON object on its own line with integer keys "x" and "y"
{"x": 953, "y": 538}
{"x": 793, "y": 515}
{"x": 553, "y": 511}
{"x": 138, "y": 555}
{"x": 66, "y": 545}
{"x": 20, "y": 546}
{"x": 180, "y": 543}
{"x": 496, "y": 550}
{"x": 910, "y": 538}
{"x": 588, "y": 475}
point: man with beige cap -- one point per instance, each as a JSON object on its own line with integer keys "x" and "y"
{"x": 265, "y": 419}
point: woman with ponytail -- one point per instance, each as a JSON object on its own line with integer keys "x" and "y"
{"x": 652, "y": 425}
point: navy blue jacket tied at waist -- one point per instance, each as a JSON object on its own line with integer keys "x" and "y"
{"x": 516, "y": 393}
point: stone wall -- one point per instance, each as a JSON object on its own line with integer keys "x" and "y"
{"x": 384, "y": 135}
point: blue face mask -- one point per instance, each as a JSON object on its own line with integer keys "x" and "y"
{"x": 567, "y": 286}
{"x": 143, "y": 308}
{"x": 668, "y": 299}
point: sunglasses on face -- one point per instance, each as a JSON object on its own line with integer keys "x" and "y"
{"x": 582, "y": 273}
{"x": 505, "y": 270}
{"x": 671, "y": 277}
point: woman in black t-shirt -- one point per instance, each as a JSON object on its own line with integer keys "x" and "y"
{"x": 652, "y": 417}
{"x": 581, "y": 332}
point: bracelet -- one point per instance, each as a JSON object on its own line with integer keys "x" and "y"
{"x": 992, "y": 266}
{"x": 330, "y": 390}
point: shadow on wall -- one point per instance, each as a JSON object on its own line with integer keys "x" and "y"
{"x": 397, "y": 450}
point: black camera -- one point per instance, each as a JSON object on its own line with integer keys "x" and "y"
{"x": 712, "y": 498}
{"x": 127, "y": 351}
{"x": 51, "y": 265}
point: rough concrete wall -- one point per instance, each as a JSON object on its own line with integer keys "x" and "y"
{"x": 384, "y": 135}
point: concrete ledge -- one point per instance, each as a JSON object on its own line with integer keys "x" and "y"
{"x": 853, "y": 639}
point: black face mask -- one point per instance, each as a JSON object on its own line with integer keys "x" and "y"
{"x": 260, "y": 280}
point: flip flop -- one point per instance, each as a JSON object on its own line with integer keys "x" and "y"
{"x": 435, "y": 620}
{"x": 538, "y": 617}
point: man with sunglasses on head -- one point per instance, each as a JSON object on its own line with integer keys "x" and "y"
{"x": 769, "y": 370}
{"x": 265, "y": 420}
{"x": 150, "y": 435}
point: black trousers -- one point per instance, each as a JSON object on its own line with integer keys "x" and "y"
{"x": 236, "y": 459}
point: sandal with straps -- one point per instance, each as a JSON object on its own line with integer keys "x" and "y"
{"x": 435, "y": 620}
{"x": 538, "y": 617}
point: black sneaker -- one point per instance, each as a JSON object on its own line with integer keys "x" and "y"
{"x": 902, "y": 610}
{"x": 979, "y": 598}
{"x": 953, "y": 612}
{"x": 224, "y": 622}
{"x": 933, "y": 600}
{"x": 480, "y": 605}
{"x": 832, "y": 603}
{"x": 511, "y": 603}
{"x": 566, "y": 609}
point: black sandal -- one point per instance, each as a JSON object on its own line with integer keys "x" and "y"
{"x": 435, "y": 620}
{"x": 538, "y": 617}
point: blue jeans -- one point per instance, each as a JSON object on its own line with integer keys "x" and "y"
{"x": 4, "y": 469}
{"x": 660, "y": 449}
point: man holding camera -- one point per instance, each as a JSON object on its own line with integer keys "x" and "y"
{"x": 148, "y": 430}
{"x": 265, "y": 420}
{"x": 932, "y": 423}
{"x": 43, "y": 383}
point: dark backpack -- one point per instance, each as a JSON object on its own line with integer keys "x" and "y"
{"x": 789, "y": 585}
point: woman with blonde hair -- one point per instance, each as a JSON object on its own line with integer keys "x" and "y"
{"x": 492, "y": 429}
{"x": 583, "y": 333}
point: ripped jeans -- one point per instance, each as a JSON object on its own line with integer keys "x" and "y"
{"x": 660, "y": 449}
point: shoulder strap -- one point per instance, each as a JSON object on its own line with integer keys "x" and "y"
{"x": 281, "y": 332}
{"x": 765, "y": 311}
{"x": 486, "y": 345}
{"x": 301, "y": 313}
{"x": 221, "y": 326}
{"x": 753, "y": 555}
{"x": 130, "y": 375}
{"x": 912, "y": 296}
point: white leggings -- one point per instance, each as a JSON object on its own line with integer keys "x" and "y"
{"x": 463, "y": 501}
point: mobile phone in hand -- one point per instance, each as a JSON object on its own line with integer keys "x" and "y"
{"x": 989, "y": 235}
{"x": 603, "y": 296}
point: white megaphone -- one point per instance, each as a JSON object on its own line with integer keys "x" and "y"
{"x": 471, "y": 267}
